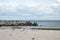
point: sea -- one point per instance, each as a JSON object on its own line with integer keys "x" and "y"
{"x": 41, "y": 24}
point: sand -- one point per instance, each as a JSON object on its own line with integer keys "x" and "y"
{"x": 25, "y": 34}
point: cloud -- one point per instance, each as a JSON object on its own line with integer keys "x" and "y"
{"x": 58, "y": 1}
{"x": 30, "y": 9}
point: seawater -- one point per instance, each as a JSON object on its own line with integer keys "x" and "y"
{"x": 54, "y": 23}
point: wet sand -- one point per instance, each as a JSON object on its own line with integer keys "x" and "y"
{"x": 25, "y": 34}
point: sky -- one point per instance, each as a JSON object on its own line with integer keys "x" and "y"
{"x": 29, "y": 9}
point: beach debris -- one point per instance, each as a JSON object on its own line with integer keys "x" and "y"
{"x": 33, "y": 38}
{"x": 40, "y": 25}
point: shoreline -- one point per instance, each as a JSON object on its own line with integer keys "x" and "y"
{"x": 35, "y": 28}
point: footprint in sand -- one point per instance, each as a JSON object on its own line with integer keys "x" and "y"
{"x": 11, "y": 34}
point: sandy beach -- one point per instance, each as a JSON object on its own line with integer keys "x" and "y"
{"x": 25, "y": 34}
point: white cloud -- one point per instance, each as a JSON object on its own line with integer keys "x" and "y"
{"x": 31, "y": 8}
{"x": 18, "y": 14}
{"x": 58, "y": 1}
{"x": 11, "y": 7}
{"x": 55, "y": 5}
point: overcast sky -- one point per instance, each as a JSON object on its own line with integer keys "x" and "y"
{"x": 29, "y": 9}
